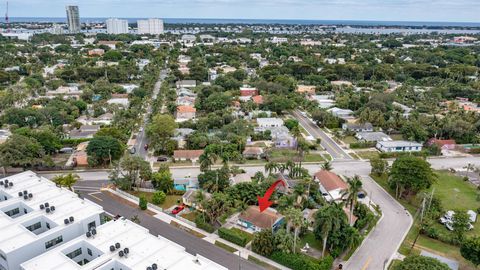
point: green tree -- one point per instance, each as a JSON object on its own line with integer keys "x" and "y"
{"x": 350, "y": 195}
{"x": 283, "y": 241}
{"x": 327, "y": 166}
{"x": 379, "y": 166}
{"x": 327, "y": 220}
{"x": 158, "y": 197}
{"x": 263, "y": 243}
{"x": 134, "y": 170}
{"x": 207, "y": 159}
{"x": 417, "y": 262}
{"x": 20, "y": 151}
{"x": 66, "y": 180}
{"x": 160, "y": 130}
{"x": 142, "y": 202}
{"x": 102, "y": 150}
{"x": 470, "y": 249}
{"x": 271, "y": 167}
{"x": 162, "y": 181}
{"x": 294, "y": 218}
{"x": 461, "y": 223}
{"x": 216, "y": 206}
{"x": 409, "y": 175}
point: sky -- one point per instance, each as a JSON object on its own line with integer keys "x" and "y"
{"x": 378, "y": 10}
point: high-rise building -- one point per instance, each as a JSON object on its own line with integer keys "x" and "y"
{"x": 117, "y": 26}
{"x": 150, "y": 26}
{"x": 73, "y": 19}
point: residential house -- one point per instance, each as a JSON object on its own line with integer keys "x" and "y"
{"x": 331, "y": 185}
{"x": 4, "y": 135}
{"x": 186, "y": 84}
{"x": 190, "y": 198}
{"x": 324, "y": 101}
{"x": 269, "y": 122}
{"x": 307, "y": 89}
{"x": 181, "y": 136}
{"x": 309, "y": 216}
{"x": 258, "y": 99}
{"x": 406, "y": 110}
{"x": 399, "y": 146}
{"x": 372, "y": 136}
{"x": 240, "y": 178}
{"x": 185, "y": 113}
{"x": 246, "y": 91}
{"x": 104, "y": 119}
{"x": 184, "y": 155}
{"x": 185, "y": 101}
{"x": 66, "y": 91}
{"x": 253, "y": 220}
{"x": 345, "y": 114}
{"x": 289, "y": 183}
{"x": 253, "y": 152}
{"x": 120, "y": 101}
{"x": 185, "y": 184}
{"x": 96, "y": 52}
{"x": 443, "y": 144}
{"x": 358, "y": 127}
{"x": 341, "y": 83}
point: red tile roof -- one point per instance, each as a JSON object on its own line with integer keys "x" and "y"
{"x": 185, "y": 109}
{"x": 258, "y": 99}
{"x": 441, "y": 142}
{"x": 330, "y": 181}
{"x": 187, "y": 154}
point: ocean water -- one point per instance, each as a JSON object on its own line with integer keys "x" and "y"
{"x": 260, "y": 21}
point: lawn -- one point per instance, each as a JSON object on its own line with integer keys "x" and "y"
{"x": 454, "y": 194}
{"x": 283, "y": 155}
{"x": 170, "y": 200}
{"x": 367, "y": 154}
{"x": 309, "y": 238}
{"x": 396, "y": 137}
{"x": 225, "y": 246}
{"x": 249, "y": 236}
{"x": 261, "y": 263}
{"x": 190, "y": 216}
{"x": 349, "y": 139}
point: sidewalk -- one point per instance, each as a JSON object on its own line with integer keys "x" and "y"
{"x": 210, "y": 237}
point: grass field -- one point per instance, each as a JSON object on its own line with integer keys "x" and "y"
{"x": 261, "y": 263}
{"x": 367, "y": 154}
{"x": 455, "y": 194}
{"x": 249, "y": 236}
{"x": 190, "y": 216}
{"x": 283, "y": 155}
{"x": 349, "y": 139}
{"x": 309, "y": 238}
{"x": 170, "y": 200}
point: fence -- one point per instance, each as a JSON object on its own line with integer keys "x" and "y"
{"x": 186, "y": 221}
{"x": 128, "y": 195}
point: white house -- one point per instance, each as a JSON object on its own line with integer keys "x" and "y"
{"x": 36, "y": 216}
{"x": 269, "y": 122}
{"x": 399, "y": 146}
{"x": 120, "y": 244}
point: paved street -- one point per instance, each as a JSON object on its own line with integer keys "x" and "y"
{"x": 194, "y": 245}
{"x": 377, "y": 248}
{"x": 328, "y": 143}
{"x": 142, "y": 137}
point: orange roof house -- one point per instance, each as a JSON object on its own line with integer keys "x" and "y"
{"x": 254, "y": 220}
{"x": 331, "y": 185}
{"x": 257, "y": 99}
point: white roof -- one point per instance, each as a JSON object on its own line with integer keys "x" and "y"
{"x": 269, "y": 121}
{"x": 399, "y": 144}
{"x": 144, "y": 250}
{"x": 14, "y": 235}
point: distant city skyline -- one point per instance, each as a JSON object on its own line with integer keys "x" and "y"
{"x": 379, "y": 10}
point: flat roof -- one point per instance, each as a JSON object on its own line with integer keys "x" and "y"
{"x": 399, "y": 144}
{"x": 14, "y": 234}
{"x": 144, "y": 250}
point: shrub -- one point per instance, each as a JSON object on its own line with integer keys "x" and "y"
{"x": 358, "y": 145}
{"x": 302, "y": 262}
{"x": 201, "y": 224}
{"x": 233, "y": 236}
{"x": 158, "y": 197}
{"x": 142, "y": 203}
{"x": 470, "y": 250}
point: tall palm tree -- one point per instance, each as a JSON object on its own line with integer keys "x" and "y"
{"x": 327, "y": 166}
{"x": 295, "y": 219}
{"x": 351, "y": 194}
{"x": 289, "y": 165}
{"x": 271, "y": 166}
{"x": 207, "y": 159}
{"x": 296, "y": 133}
{"x": 66, "y": 180}
{"x": 328, "y": 220}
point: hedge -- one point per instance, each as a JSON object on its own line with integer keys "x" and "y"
{"x": 233, "y": 236}
{"x": 301, "y": 262}
{"x": 358, "y": 145}
{"x": 203, "y": 225}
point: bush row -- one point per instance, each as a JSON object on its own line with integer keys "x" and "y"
{"x": 203, "y": 225}
{"x": 358, "y": 145}
{"x": 398, "y": 154}
{"x": 233, "y": 236}
{"x": 301, "y": 262}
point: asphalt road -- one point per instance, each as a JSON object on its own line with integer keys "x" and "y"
{"x": 142, "y": 139}
{"x": 328, "y": 143}
{"x": 194, "y": 245}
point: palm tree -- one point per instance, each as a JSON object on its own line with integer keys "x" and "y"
{"x": 469, "y": 167}
{"x": 327, "y": 166}
{"x": 328, "y": 220}
{"x": 67, "y": 180}
{"x": 290, "y": 165}
{"x": 207, "y": 159}
{"x": 296, "y": 133}
{"x": 303, "y": 148}
{"x": 295, "y": 219}
{"x": 271, "y": 166}
{"x": 351, "y": 194}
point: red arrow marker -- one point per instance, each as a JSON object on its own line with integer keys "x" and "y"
{"x": 263, "y": 202}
